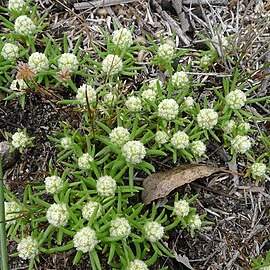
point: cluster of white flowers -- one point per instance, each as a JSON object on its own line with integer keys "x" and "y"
{"x": 166, "y": 51}
{"x": 149, "y": 94}
{"x": 207, "y": 118}
{"x": 89, "y": 208}
{"x": 28, "y": 248}
{"x": 84, "y": 161}
{"x": 137, "y": 265}
{"x": 120, "y": 227}
{"x": 119, "y": 136}
{"x": 68, "y": 62}
{"x": 180, "y": 79}
{"x": 153, "y": 231}
{"x": 161, "y": 137}
{"x": 181, "y": 208}
{"x": 241, "y": 144}
{"x": 205, "y": 61}
{"x": 198, "y": 148}
{"x": 12, "y": 211}
{"x": 38, "y": 62}
{"x": 86, "y": 93}
{"x": 180, "y": 140}
{"x": 168, "y": 109}
{"x": 153, "y": 84}
{"x": 10, "y": 51}
{"x": 18, "y": 86}
{"x": 258, "y": 170}
{"x": 106, "y": 186}
{"x": 195, "y": 222}
{"x": 220, "y": 40}
{"x": 16, "y": 5}
{"x": 24, "y": 26}
{"x": 85, "y": 239}
{"x": 109, "y": 99}
{"x": 133, "y": 104}
{"x": 66, "y": 142}
{"x": 57, "y": 215}
{"x": 244, "y": 127}
{"x": 229, "y": 126}
{"x": 236, "y": 99}
{"x": 19, "y": 139}
{"x": 134, "y": 152}
{"x": 122, "y": 38}
{"x": 53, "y": 184}
{"x": 189, "y": 102}
{"x": 112, "y": 64}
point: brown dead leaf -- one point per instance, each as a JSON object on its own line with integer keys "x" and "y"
{"x": 159, "y": 185}
{"x": 267, "y": 5}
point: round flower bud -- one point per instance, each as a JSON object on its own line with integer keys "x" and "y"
{"x": 24, "y": 26}
{"x": 85, "y": 240}
{"x": 153, "y": 231}
{"x": 180, "y": 140}
{"x": 109, "y": 99}
{"x": 10, "y": 52}
{"x": 18, "y": 86}
{"x": 166, "y": 51}
{"x": 57, "y": 215}
{"x": 119, "y": 136}
{"x": 153, "y": 84}
{"x": 53, "y": 184}
{"x": 258, "y": 170}
{"x": 12, "y": 212}
{"x": 120, "y": 227}
{"x": 241, "y": 144}
{"x": 229, "y": 126}
{"x": 133, "y": 104}
{"x": 181, "y": 208}
{"x": 198, "y": 148}
{"x": 205, "y": 61}
{"x": 207, "y": 118}
{"x": 195, "y": 222}
{"x": 168, "y": 109}
{"x": 38, "y": 62}
{"x": 106, "y": 186}
{"x": 149, "y": 94}
{"x": 89, "y": 208}
{"x": 137, "y": 265}
{"x": 86, "y": 93}
{"x": 180, "y": 79}
{"x": 112, "y": 64}
{"x": 69, "y": 62}
{"x": 84, "y": 162}
{"x": 236, "y": 99}
{"x": 28, "y": 248}
{"x": 66, "y": 142}
{"x": 16, "y": 5}
{"x": 244, "y": 127}
{"x": 189, "y": 102}
{"x": 161, "y": 137}
{"x": 134, "y": 152}
{"x": 122, "y": 38}
{"x": 19, "y": 139}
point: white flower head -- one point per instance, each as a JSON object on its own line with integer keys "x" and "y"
{"x": 89, "y": 208}
{"x": 10, "y": 51}
{"x": 109, "y": 99}
{"x": 19, "y": 140}
{"x": 137, "y": 265}
{"x": 220, "y": 40}
{"x": 28, "y": 248}
{"x": 119, "y": 136}
{"x": 86, "y": 93}
{"x": 206, "y": 61}
{"x": 166, "y": 51}
{"x": 18, "y": 86}
{"x": 180, "y": 140}
{"x": 134, "y": 152}
{"x": 207, "y": 118}
{"x": 161, "y": 137}
{"x": 180, "y": 79}
{"x": 69, "y": 62}
{"x": 53, "y": 184}
{"x": 66, "y": 142}
{"x": 84, "y": 161}
{"x": 236, "y": 99}
{"x": 153, "y": 231}
{"x": 149, "y": 94}
{"x": 229, "y": 126}
{"x": 244, "y": 127}
{"x": 153, "y": 84}
{"x": 258, "y": 170}
{"x": 122, "y": 38}
{"x": 112, "y": 64}
{"x": 38, "y": 62}
{"x": 120, "y": 227}
{"x": 189, "y": 102}
{"x": 241, "y": 144}
{"x": 106, "y": 186}
{"x": 198, "y": 148}
{"x": 24, "y": 26}
{"x": 133, "y": 104}
{"x": 168, "y": 109}
{"x": 57, "y": 215}
{"x": 181, "y": 208}
{"x": 16, "y": 5}
{"x": 195, "y": 222}
{"x": 12, "y": 212}
{"x": 85, "y": 240}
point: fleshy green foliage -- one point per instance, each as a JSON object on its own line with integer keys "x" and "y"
{"x": 261, "y": 262}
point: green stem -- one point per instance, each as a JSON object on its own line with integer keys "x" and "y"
{"x": 131, "y": 175}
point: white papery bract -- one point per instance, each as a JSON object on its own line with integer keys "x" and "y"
{"x": 236, "y": 99}
{"x": 195, "y": 222}
{"x": 181, "y": 208}
{"x": 38, "y": 62}
{"x": 149, "y": 94}
{"x": 134, "y": 152}
{"x": 12, "y": 212}
{"x": 68, "y": 62}
{"x": 153, "y": 231}
{"x": 122, "y": 38}
{"x": 86, "y": 93}
{"x": 207, "y": 118}
{"x": 106, "y": 186}
{"x": 137, "y": 265}
{"x": 28, "y": 248}
{"x": 258, "y": 170}
{"x": 19, "y": 140}
{"x": 180, "y": 140}
{"x": 168, "y": 109}
{"x": 229, "y": 126}
{"x": 24, "y": 26}
{"x": 109, "y": 99}
{"x": 120, "y": 227}
{"x": 84, "y": 161}
{"x": 180, "y": 79}
{"x": 85, "y": 240}
{"x": 89, "y": 208}
{"x": 53, "y": 184}
{"x": 57, "y": 215}
{"x": 119, "y": 136}
{"x": 161, "y": 137}
{"x": 18, "y": 86}
{"x": 166, "y": 51}
{"x": 10, "y": 52}
{"x": 112, "y": 64}
{"x": 66, "y": 142}
{"x": 16, "y": 5}
{"x": 198, "y": 148}
{"x": 241, "y": 144}
{"x": 133, "y": 104}
{"x": 153, "y": 84}
{"x": 189, "y": 102}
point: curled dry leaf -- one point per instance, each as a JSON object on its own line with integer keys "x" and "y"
{"x": 159, "y": 185}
